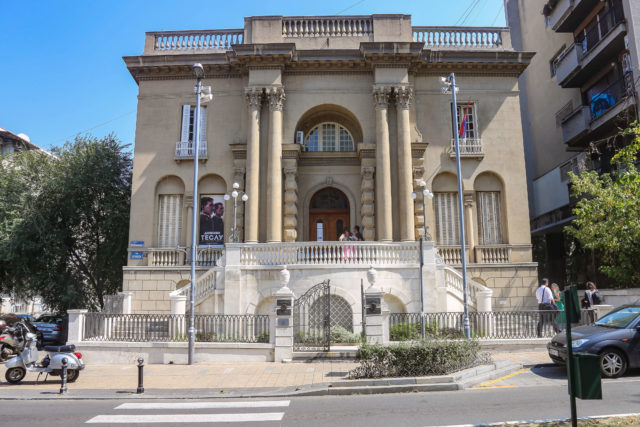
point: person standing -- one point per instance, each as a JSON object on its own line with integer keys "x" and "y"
{"x": 357, "y": 235}
{"x": 545, "y": 306}
{"x": 558, "y": 300}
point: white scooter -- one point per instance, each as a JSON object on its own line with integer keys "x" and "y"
{"x": 27, "y": 359}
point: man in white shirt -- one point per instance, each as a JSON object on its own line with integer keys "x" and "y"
{"x": 546, "y": 306}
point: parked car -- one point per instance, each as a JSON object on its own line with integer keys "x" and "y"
{"x": 28, "y": 317}
{"x": 51, "y": 326}
{"x": 615, "y": 338}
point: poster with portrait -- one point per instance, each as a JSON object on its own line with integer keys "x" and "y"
{"x": 211, "y": 219}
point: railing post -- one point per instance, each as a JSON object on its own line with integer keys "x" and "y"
{"x": 127, "y": 298}
{"x": 375, "y": 311}
{"x": 484, "y": 309}
{"x": 283, "y": 324}
{"x": 76, "y": 325}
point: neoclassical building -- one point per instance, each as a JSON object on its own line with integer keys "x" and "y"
{"x": 328, "y": 122}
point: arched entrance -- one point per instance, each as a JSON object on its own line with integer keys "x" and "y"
{"x": 328, "y": 214}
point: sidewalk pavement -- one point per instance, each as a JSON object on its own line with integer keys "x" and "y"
{"x": 252, "y": 379}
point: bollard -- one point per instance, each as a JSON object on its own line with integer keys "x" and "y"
{"x": 140, "y": 389}
{"x": 63, "y": 376}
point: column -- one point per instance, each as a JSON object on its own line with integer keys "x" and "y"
{"x": 404, "y": 96}
{"x": 276, "y": 99}
{"x": 383, "y": 165}
{"x": 290, "y": 203}
{"x": 469, "y": 225}
{"x": 254, "y": 101}
{"x": 367, "y": 198}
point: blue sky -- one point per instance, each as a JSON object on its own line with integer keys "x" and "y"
{"x": 62, "y": 74}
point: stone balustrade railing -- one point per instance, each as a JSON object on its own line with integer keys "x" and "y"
{"x": 327, "y": 26}
{"x": 204, "y": 286}
{"x": 185, "y": 150}
{"x": 340, "y": 253}
{"x": 181, "y": 41}
{"x": 493, "y": 254}
{"x": 453, "y": 284}
{"x": 208, "y": 256}
{"x": 469, "y": 147}
{"x": 462, "y": 37}
{"x": 451, "y": 254}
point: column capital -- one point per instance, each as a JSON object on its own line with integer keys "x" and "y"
{"x": 381, "y": 96}
{"x": 253, "y": 94}
{"x": 275, "y": 96}
{"x": 404, "y": 97}
{"x": 469, "y": 198}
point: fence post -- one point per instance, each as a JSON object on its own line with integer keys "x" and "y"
{"x": 76, "y": 325}
{"x": 127, "y": 298}
{"x": 376, "y": 314}
{"x": 284, "y": 320}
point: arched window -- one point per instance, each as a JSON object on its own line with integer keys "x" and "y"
{"x": 329, "y": 136}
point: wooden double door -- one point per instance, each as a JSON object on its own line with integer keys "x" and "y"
{"x": 327, "y": 225}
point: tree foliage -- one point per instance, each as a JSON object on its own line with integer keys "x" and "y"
{"x": 64, "y": 222}
{"x": 608, "y": 215}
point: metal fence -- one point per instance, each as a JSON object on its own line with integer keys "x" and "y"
{"x": 488, "y": 325}
{"x": 248, "y": 328}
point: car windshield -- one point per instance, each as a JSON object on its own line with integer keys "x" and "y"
{"x": 48, "y": 318}
{"x": 620, "y": 318}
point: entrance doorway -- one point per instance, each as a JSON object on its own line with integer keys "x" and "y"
{"x": 328, "y": 215}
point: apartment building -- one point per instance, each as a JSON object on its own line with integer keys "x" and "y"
{"x": 577, "y": 94}
{"x": 328, "y": 122}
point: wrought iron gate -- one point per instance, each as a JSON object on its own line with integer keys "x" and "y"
{"x": 311, "y": 319}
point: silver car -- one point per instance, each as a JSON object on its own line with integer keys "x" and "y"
{"x": 51, "y": 327}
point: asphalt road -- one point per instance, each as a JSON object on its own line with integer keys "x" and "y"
{"x": 540, "y": 393}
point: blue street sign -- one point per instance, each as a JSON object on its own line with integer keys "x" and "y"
{"x": 136, "y": 255}
{"x": 137, "y": 243}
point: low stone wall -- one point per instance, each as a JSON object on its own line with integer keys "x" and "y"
{"x": 104, "y": 353}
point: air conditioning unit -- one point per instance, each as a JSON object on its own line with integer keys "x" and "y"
{"x": 300, "y": 137}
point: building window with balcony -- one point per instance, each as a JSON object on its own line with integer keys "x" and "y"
{"x": 610, "y": 15}
{"x": 169, "y": 220}
{"x": 445, "y": 206}
{"x": 329, "y": 137}
{"x": 605, "y": 93}
{"x": 185, "y": 147}
{"x": 468, "y": 135}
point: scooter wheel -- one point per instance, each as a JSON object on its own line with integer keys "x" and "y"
{"x": 72, "y": 375}
{"x": 15, "y": 375}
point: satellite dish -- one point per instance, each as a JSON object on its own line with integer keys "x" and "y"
{"x": 24, "y": 136}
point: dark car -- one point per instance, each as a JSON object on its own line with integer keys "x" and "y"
{"x": 51, "y": 326}
{"x": 615, "y": 338}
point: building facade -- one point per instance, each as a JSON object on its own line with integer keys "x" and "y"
{"x": 578, "y": 93}
{"x": 328, "y": 122}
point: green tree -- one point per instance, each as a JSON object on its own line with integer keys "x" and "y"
{"x": 65, "y": 219}
{"x": 608, "y": 215}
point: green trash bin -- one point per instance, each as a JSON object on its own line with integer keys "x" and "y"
{"x": 586, "y": 376}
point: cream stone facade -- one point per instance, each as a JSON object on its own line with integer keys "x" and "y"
{"x": 329, "y": 122}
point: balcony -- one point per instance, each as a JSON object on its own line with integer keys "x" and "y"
{"x": 601, "y": 110}
{"x": 469, "y": 147}
{"x": 185, "y": 151}
{"x": 567, "y": 14}
{"x": 596, "y": 50}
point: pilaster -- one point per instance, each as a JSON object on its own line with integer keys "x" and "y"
{"x": 471, "y": 233}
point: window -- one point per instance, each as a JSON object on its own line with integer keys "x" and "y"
{"x": 489, "y": 218}
{"x": 329, "y": 137}
{"x": 169, "y": 220}
{"x": 188, "y": 128}
{"x": 447, "y": 219}
{"x": 467, "y": 112}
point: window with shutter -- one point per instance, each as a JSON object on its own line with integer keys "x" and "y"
{"x": 470, "y": 122}
{"x": 447, "y": 223}
{"x": 489, "y": 218}
{"x": 188, "y": 124}
{"x": 169, "y": 220}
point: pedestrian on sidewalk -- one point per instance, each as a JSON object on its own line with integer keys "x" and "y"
{"x": 559, "y": 302}
{"x": 547, "y": 308}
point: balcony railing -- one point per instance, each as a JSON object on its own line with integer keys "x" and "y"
{"x": 341, "y": 253}
{"x": 469, "y": 147}
{"x": 208, "y": 256}
{"x": 181, "y": 41}
{"x": 607, "y": 98}
{"x": 327, "y": 26}
{"x": 602, "y": 27}
{"x": 493, "y": 254}
{"x": 185, "y": 150}
{"x": 460, "y": 37}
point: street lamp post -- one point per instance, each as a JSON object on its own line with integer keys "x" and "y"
{"x": 426, "y": 236}
{"x": 198, "y": 72}
{"x": 450, "y": 83}
{"x": 235, "y": 193}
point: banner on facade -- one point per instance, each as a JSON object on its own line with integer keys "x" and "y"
{"x": 211, "y": 219}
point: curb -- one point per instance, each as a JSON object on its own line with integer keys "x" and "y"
{"x": 458, "y": 381}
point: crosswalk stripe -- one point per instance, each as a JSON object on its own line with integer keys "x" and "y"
{"x": 186, "y": 418}
{"x": 206, "y": 405}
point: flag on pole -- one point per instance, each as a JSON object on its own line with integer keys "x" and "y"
{"x": 463, "y": 125}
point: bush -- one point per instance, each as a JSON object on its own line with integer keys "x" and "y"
{"x": 263, "y": 337}
{"x": 429, "y": 357}
{"x": 405, "y": 331}
{"x": 341, "y": 335}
